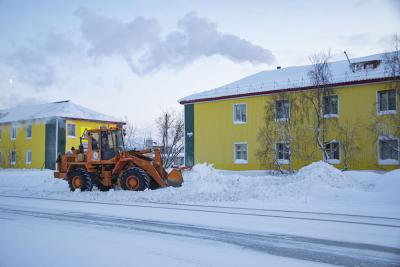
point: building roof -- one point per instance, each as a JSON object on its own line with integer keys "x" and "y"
{"x": 62, "y": 109}
{"x": 366, "y": 69}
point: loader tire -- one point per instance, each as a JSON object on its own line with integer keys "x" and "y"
{"x": 135, "y": 179}
{"x": 153, "y": 184}
{"x": 80, "y": 179}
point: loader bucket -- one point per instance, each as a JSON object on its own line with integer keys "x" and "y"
{"x": 175, "y": 178}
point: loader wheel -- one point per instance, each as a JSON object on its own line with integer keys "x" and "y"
{"x": 80, "y": 179}
{"x": 153, "y": 184}
{"x": 135, "y": 179}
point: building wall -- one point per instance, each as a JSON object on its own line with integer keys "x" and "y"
{"x": 81, "y": 125}
{"x": 37, "y": 144}
{"x": 21, "y": 144}
{"x": 215, "y": 132}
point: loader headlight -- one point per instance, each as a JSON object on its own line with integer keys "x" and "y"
{"x": 95, "y": 156}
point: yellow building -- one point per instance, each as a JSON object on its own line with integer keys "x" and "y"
{"x": 33, "y": 136}
{"x": 244, "y": 125}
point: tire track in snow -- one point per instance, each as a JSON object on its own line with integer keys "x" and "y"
{"x": 393, "y": 222}
{"x": 291, "y": 246}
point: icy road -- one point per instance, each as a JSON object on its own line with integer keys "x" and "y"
{"x": 50, "y": 232}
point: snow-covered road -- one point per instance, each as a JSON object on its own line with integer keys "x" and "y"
{"x": 281, "y": 237}
{"x": 319, "y": 216}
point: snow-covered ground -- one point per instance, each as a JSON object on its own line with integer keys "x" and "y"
{"x": 217, "y": 218}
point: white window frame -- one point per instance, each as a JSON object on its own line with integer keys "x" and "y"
{"x": 26, "y": 131}
{"x": 71, "y": 136}
{"x": 282, "y": 119}
{"x": 385, "y": 112}
{"x": 282, "y": 161}
{"x": 240, "y": 161}
{"x": 12, "y": 130}
{"x": 234, "y": 115}
{"x": 334, "y": 161}
{"x": 387, "y": 161}
{"x": 26, "y": 157}
{"x": 331, "y": 115}
{"x": 13, "y": 162}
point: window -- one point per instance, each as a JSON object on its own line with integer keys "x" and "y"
{"x": 330, "y": 106}
{"x": 282, "y": 150}
{"x": 239, "y": 113}
{"x": 28, "y": 157}
{"x": 240, "y": 153}
{"x": 365, "y": 65}
{"x": 282, "y": 110}
{"x": 333, "y": 151}
{"x": 71, "y": 130}
{"x": 1, "y": 133}
{"x": 1, "y": 159}
{"x": 387, "y": 102}
{"x": 388, "y": 151}
{"x": 13, "y": 157}
{"x": 13, "y": 133}
{"x": 29, "y": 132}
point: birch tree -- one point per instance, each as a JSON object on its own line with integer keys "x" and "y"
{"x": 320, "y": 78}
{"x": 276, "y": 136}
{"x": 171, "y": 130}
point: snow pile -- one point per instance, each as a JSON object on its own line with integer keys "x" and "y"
{"x": 325, "y": 174}
{"x": 318, "y": 182}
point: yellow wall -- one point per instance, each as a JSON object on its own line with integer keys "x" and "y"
{"x": 215, "y": 132}
{"x": 37, "y": 144}
{"x": 21, "y": 144}
{"x": 80, "y": 128}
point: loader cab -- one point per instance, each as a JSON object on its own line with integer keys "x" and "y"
{"x": 111, "y": 143}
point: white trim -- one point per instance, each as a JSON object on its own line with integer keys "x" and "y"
{"x": 334, "y": 161}
{"x": 283, "y": 161}
{"x": 377, "y": 104}
{"x": 240, "y": 161}
{"x": 281, "y": 119}
{"x": 26, "y": 157}
{"x": 332, "y": 115}
{"x": 388, "y": 161}
{"x": 329, "y": 116}
{"x": 234, "y": 117}
{"x": 387, "y": 112}
{"x": 71, "y": 136}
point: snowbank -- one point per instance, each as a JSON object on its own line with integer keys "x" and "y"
{"x": 316, "y": 183}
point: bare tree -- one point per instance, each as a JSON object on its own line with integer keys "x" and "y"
{"x": 348, "y": 136}
{"x": 277, "y": 135}
{"x": 387, "y": 127}
{"x": 320, "y": 77}
{"x": 171, "y": 130}
{"x": 392, "y": 60}
{"x": 131, "y": 135}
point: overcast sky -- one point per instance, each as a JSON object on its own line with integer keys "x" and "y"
{"x": 137, "y": 58}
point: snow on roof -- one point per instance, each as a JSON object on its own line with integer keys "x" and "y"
{"x": 62, "y": 109}
{"x": 295, "y": 77}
